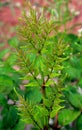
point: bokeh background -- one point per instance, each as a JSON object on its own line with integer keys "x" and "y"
{"x": 10, "y": 11}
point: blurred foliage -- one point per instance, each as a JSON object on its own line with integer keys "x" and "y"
{"x": 60, "y": 11}
{"x": 73, "y": 86}
{"x": 9, "y": 79}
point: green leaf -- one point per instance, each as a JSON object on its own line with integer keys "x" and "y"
{"x": 12, "y": 59}
{"x": 10, "y": 118}
{"x": 13, "y": 42}
{"x": 50, "y": 82}
{"x": 40, "y": 115}
{"x": 4, "y": 52}
{"x": 53, "y": 75}
{"x": 80, "y": 82}
{"x": 27, "y": 120}
{"x": 47, "y": 102}
{"x": 20, "y": 125}
{"x": 42, "y": 111}
{"x": 79, "y": 123}
{"x": 75, "y": 99}
{"x": 75, "y": 62}
{"x": 33, "y": 94}
{"x": 8, "y": 71}
{"x": 6, "y": 84}
{"x": 66, "y": 116}
{"x": 3, "y": 100}
{"x": 32, "y": 83}
{"x": 55, "y": 111}
{"x": 72, "y": 72}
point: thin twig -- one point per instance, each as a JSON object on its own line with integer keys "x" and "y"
{"x": 75, "y": 25}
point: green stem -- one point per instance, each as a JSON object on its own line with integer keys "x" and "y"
{"x": 31, "y": 116}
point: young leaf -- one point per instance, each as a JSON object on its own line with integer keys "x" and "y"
{"x": 66, "y": 116}
{"x": 55, "y": 111}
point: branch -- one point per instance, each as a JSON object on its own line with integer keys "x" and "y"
{"x": 75, "y": 25}
{"x": 31, "y": 116}
{"x": 48, "y": 76}
{"x": 34, "y": 77}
